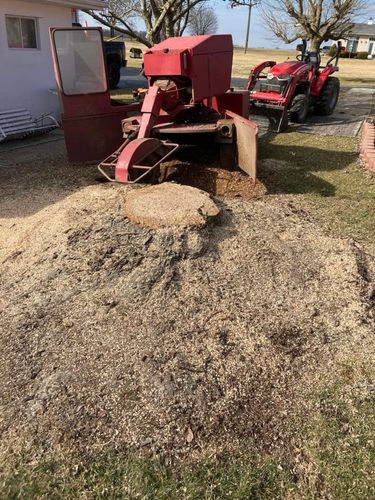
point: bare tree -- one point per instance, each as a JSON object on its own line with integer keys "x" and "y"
{"x": 314, "y": 20}
{"x": 203, "y": 21}
{"x": 162, "y": 18}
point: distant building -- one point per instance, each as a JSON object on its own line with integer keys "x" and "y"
{"x": 361, "y": 38}
{"x": 26, "y": 74}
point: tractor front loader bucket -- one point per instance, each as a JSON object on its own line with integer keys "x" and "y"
{"x": 277, "y": 116}
{"x": 136, "y": 159}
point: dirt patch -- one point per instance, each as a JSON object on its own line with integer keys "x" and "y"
{"x": 217, "y": 181}
{"x": 171, "y": 340}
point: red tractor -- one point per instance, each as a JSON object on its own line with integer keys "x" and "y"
{"x": 288, "y": 90}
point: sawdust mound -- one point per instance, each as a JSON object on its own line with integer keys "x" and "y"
{"x": 171, "y": 340}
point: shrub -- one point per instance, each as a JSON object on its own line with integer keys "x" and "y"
{"x": 332, "y": 50}
{"x": 362, "y": 55}
{"x": 346, "y": 55}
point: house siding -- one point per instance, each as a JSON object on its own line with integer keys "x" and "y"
{"x": 363, "y": 44}
{"x": 363, "y": 34}
{"x": 26, "y": 75}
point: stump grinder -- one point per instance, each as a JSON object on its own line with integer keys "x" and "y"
{"x": 288, "y": 90}
{"x": 189, "y": 101}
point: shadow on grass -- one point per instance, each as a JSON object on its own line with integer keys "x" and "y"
{"x": 295, "y": 163}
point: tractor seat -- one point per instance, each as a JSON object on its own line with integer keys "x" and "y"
{"x": 314, "y": 58}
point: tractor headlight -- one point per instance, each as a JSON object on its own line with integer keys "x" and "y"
{"x": 270, "y": 76}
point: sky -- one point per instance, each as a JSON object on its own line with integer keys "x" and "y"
{"x": 234, "y": 21}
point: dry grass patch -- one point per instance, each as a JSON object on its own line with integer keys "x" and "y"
{"x": 353, "y": 72}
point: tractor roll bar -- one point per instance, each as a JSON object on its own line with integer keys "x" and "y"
{"x": 336, "y": 56}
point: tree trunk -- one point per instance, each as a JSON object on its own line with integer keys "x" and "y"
{"x": 315, "y": 43}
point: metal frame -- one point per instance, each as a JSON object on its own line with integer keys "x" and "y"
{"x": 25, "y": 125}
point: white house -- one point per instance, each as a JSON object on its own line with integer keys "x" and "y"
{"x": 26, "y": 67}
{"x": 361, "y": 38}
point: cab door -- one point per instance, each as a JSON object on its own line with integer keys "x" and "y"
{"x": 91, "y": 121}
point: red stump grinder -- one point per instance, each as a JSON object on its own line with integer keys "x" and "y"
{"x": 189, "y": 100}
{"x": 288, "y": 90}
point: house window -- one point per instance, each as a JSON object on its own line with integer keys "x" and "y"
{"x": 22, "y": 32}
{"x": 352, "y": 45}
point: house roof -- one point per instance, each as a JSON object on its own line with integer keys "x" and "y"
{"x": 76, "y": 4}
{"x": 362, "y": 29}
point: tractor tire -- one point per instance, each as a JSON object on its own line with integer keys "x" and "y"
{"x": 299, "y": 108}
{"x": 114, "y": 75}
{"x": 328, "y": 96}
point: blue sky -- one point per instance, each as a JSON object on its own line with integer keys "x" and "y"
{"x": 234, "y": 21}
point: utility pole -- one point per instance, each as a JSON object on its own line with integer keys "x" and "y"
{"x": 248, "y": 27}
{"x": 250, "y": 5}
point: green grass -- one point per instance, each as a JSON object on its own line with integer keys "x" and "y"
{"x": 119, "y": 475}
{"x": 331, "y": 454}
{"x": 345, "y": 452}
{"x": 323, "y": 173}
{"x": 340, "y": 436}
{"x": 122, "y": 95}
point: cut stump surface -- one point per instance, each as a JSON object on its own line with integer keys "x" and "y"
{"x": 169, "y": 204}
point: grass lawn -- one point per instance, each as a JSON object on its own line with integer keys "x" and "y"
{"x": 334, "y": 457}
{"x": 353, "y": 72}
{"x": 324, "y": 174}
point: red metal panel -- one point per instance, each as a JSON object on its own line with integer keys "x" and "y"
{"x": 92, "y": 138}
{"x": 158, "y": 63}
{"x": 287, "y": 68}
{"x": 206, "y": 60}
{"x": 322, "y": 78}
{"x": 204, "y": 44}
{"x": 247, "y": 143}
{"x": 237, "y": 102}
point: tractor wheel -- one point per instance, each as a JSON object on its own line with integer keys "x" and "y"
{"x": 299, "y": 108}
{"x": 328, "y": 96}
{"x": 114, "y": 75}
